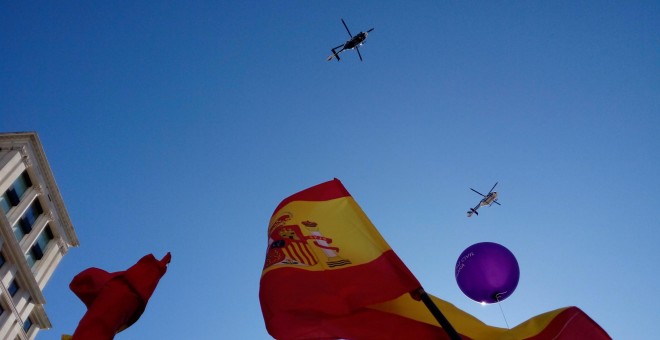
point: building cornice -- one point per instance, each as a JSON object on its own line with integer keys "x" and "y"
{"x": 22, "y": 141}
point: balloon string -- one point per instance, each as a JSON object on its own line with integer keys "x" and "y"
{"x": 499, "y": 303}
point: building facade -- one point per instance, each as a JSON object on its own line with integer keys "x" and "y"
{"x": 35, "y": 234}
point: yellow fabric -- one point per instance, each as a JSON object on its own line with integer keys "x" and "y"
{"x": 340, "y": 224}
{"x": 463, "y": 322}
{"x": 66, "y": 337}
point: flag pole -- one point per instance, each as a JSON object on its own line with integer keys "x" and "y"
{"x": 444, "y": 323}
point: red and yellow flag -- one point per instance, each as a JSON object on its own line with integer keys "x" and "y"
{"x": 329, "y": 274}
{"x": 326, "y": 263}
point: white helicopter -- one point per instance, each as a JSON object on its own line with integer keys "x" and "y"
{"x": 487, "y": 199}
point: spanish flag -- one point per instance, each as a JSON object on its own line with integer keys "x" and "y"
{"x": 329, "y": 274}
{"x": 325, "y": 264}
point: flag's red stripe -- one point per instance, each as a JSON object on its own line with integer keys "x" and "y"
{"x": 334, "y": 292}
{"x": 321, "y": 192}
{"x": 361, "y": 324}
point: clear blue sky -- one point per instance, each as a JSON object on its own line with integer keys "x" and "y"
{"x": 179, "y": 126}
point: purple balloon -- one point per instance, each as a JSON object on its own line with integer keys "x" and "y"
{"x": 487, "y": 272}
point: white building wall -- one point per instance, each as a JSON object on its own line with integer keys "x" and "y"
{"x": 21, "y": 152}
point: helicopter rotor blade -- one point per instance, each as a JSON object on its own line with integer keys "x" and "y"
{"x": 347, "y": 30}
{"x": 358, "y": 51}
{"x": 478, "y": 192}
{"x": 370, "y": 30}
{"x": 496, "y": 202}
{"x": 491, "y": 189}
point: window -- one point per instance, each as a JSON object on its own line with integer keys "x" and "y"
{"x": 44, "y": 238}
{"x": 5, "y": 203}
{"x": 33, "y": 255}
{"x": 2, "y": 261}
{"x": 13, "y": 288}
{"x": 21, "y": 184}
{"x": 25, "y": 223}
{"x": 13, "y": 195}
{"x": 31, "y": 214}
{"x": 18, "y": 231}
{"x": 31, "y": 258}
{"x": 27, "y": 324}
{"x": 37, "y": 250}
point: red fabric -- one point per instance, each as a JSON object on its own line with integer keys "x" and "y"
{"x": 320, "y": 192}
{"x": 301, "y": 304}
{"x": 87, "y": 285}
{"x": 361, "y": 324}
{"x": 115, "y": 300}
{"x": 287, "y": 291}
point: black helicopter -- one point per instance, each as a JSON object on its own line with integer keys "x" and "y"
{"x": 354, "y": 43}
{"x": 488, "y": 199}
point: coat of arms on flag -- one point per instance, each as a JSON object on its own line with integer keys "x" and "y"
{"x": 291, "y": 244}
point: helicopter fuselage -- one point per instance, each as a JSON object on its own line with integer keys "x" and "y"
{"x": 355, "y": 41}
{"x": 490, "y": 198}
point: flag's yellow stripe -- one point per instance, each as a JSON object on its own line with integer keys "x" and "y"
{"x": 463, "y": 322}
{"x": 343, "y": 222}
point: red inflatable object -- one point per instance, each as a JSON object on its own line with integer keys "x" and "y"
{"x": 115, "y": 300}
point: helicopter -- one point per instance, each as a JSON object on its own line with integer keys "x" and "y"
{"x": 487, "y": 199}
{"x": 354, "y": 43}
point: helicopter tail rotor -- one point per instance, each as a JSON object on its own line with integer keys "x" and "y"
{"x": 335, "y": 54}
